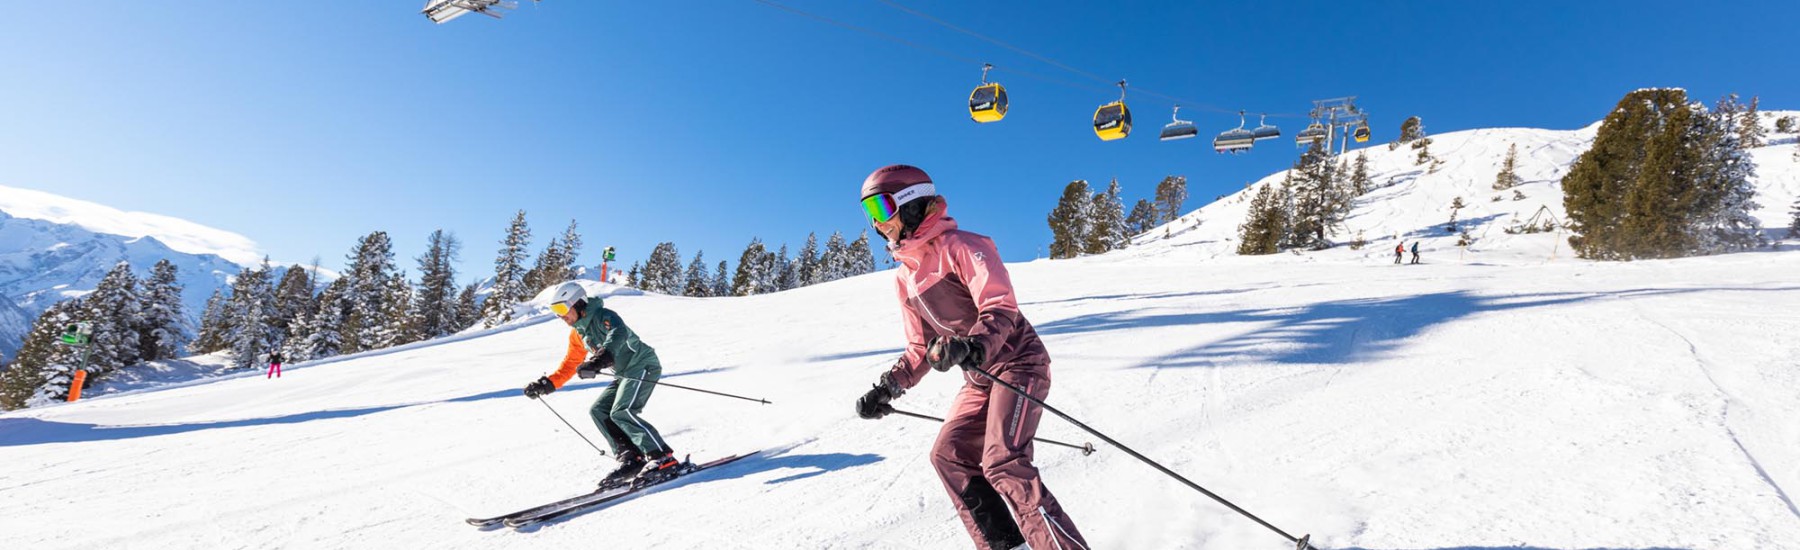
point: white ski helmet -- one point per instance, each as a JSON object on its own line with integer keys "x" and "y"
{"x": 567, "y": 296}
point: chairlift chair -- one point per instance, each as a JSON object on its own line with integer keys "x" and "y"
{"x": 1113, "y": 121}
{"x": 1264, "y": 130}
{"x": 1178, "y": 128}
{"x": 1313, "y": 132}
{"x": 1235, "y": 140}
{"x": 988, "y": 102}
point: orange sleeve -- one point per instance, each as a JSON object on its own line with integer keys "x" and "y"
{"x": 577, "y": 353}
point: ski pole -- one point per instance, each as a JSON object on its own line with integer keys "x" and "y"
{"x": 721, "y": 394}
{"x": 1301, "y": 543}
{"x": 1085, "y": 448}
{"x": 565, "y": 421}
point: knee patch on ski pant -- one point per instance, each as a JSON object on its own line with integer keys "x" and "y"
{"x": 991, "y": 514}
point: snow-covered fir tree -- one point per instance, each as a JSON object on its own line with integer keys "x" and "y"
{"x": 1265, "y": 225}
{"x": 1143, "y": 217}
{"x": 436, "y": 302}
{"x": 721, "y": 281}
{"x": 213, "y": 325}
{"x": 663, "y": 271}
{"x": 116, "y": 312}
{"x": 1070, "y": 221}
{"x": 1749, "y": 124}
{"x": 1359, "y": 175}
{"x": 1171, "y": 193}
{"x": 400, "y": 316}
{"x": 1509, "y": 173}
{"x": 1456, "y": 207}
{"x": 1722, "y": 219}
{"x": 787, "y": 274}
{"x": 323, "y": 331}
{"x": 807, "y": 263}
{"x": 509, "y": 274}
{"x": 1794, "y": 221}
{"x": 371, "y": 265}
{"x": 165, "y": 326}
{"x": 293, "y": 297}
{"x": 750, "y": 271}
{"x": 635, "y": 276}
{"x": 251, "y": 310}
{"x": 571, "y": 252}
{"x": 1412, "y": 129}
{"x": 468, "y": 310}
{"x": 835, "y": 263}
{"x": 1106, "y": 230}
{"x": 861, "y": 257}
{"x": 697, "y": 281}
{"x": 549, "y": 268}
{"x": 1317, "y": 210}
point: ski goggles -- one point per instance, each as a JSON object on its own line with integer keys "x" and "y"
{"x": 560, "y": 309}
{"x": 882, "y": 207}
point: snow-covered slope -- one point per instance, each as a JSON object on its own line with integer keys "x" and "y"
{"x": 43, "y": 262}
{"x": 178, "y": 234}
{"x": 1411, "y": 202}
{"x": 1510, "y": 398}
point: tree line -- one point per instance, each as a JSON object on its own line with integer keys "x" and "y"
{"x": 1087, "y": 222}
{"x": 759, "y": 269}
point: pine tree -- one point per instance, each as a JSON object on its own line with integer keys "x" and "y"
{"x": 371, "y": 264}
{"x": 749, "y": 275}
{"x": 1794, "y": 223}
{"x": 509, "y": 274}
{"x": 1412, "y": 129}
{"x": 546, "y": 270}
{"x": 1107, "y": 231}
{"x": 1316, "y": 207}
{"x": 1264, "y": 226}
{"x": 1143, "y": 218}
{"x": 1069, "y": 222}
{"x": 1359, "y": 175}
{"x": 213, "y": 325}
{"x": 116, "y": 312}
{"x": 324, "y": 328}
{"x": 861, "y": 258}
{"x": 721, "y": 281}
{"x": 1725, "y": 194}
{"x": 808, "y": 262}
{"x": 1785, "y": 125}
{"x": 1509, "y": 175}
{"x": 1749, "y": 123}
{"x": 43, "y": 369}
{"x": 1456, "y": 207}
{"x": 662, "y": 272}
{"x": 835, "y": 262}
{"x": 1170, "y": 194}
{"x": 293, "y": 296}
{"x": 634, "y": 278}
{"x": 769, "y": 273}
{"x": 251, "y": 310}
{"x": 400, "y": 316}
{"x": 788, "y": 271}
{"x": 165, "y": 327}
{"x": 698, "y": 283}
{"x": 437, "y": 300}
{"x": 468, "y": 312}
{"x": 571, "y": 252}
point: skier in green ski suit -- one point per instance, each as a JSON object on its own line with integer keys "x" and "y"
{"x": 600, "y": 340}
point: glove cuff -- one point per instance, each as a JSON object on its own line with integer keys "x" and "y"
{"x": 891, "y": 386}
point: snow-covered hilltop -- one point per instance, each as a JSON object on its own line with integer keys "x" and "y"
{"x": 1508, "y": 396}
{"x": 1412, "y": 201}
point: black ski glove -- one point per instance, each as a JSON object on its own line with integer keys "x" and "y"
{"x": 950, "y": 351}
{"x": 874, "y": 404}
{"x": 593, "y": 366}
{"x": 541, "y": 387}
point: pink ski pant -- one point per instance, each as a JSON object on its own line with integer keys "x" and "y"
{"x": 985, "y": 448}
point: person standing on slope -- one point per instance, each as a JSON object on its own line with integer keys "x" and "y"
{"x": 1399, "y": 252}
{"x": 274, "y": 365}
{"x": 1415, "y": 258}
{"x": 600, "y": 340}
{"x": 958, "y": 309}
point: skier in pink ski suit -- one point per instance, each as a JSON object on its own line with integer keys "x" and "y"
{"x": 958, "y": 309}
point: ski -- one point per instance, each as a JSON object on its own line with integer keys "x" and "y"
{"x": 563, "y": 508}
{"x": 577, "y": 499}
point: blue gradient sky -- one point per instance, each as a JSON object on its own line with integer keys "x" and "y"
{"x": 304, "y": 125}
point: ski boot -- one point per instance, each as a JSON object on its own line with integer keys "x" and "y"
{"x": 657, "y": 469}
{"x": 630, "y": 463}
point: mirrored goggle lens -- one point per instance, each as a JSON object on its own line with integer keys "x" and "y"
{"x": 880, "y": 208}
{"x": 560, "y": 308}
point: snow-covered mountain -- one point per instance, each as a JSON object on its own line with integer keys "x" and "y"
{"x": 53, "y": 248}
{"x": 1507, "y": 396}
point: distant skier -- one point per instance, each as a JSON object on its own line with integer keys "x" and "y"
{"x": 274, "y": 365}
{"x": 958, "y": 308}
{"x": 600, "y": 340}
{"x": 1399, "y": 252}
{"x": 1415, "y": 250}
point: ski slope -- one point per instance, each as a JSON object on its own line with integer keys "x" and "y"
{"x": 1506, "y": 396}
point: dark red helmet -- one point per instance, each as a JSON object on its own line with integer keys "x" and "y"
{"x": 893, "y": 179}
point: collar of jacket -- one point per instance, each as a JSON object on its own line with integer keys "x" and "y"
{"x": 933, "y": 226}
{"x": 591, "y": 315}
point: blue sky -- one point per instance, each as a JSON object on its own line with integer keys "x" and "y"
{"x": 304, "y": 125}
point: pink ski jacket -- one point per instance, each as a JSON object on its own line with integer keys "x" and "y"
{"x": 952, "y": 283}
